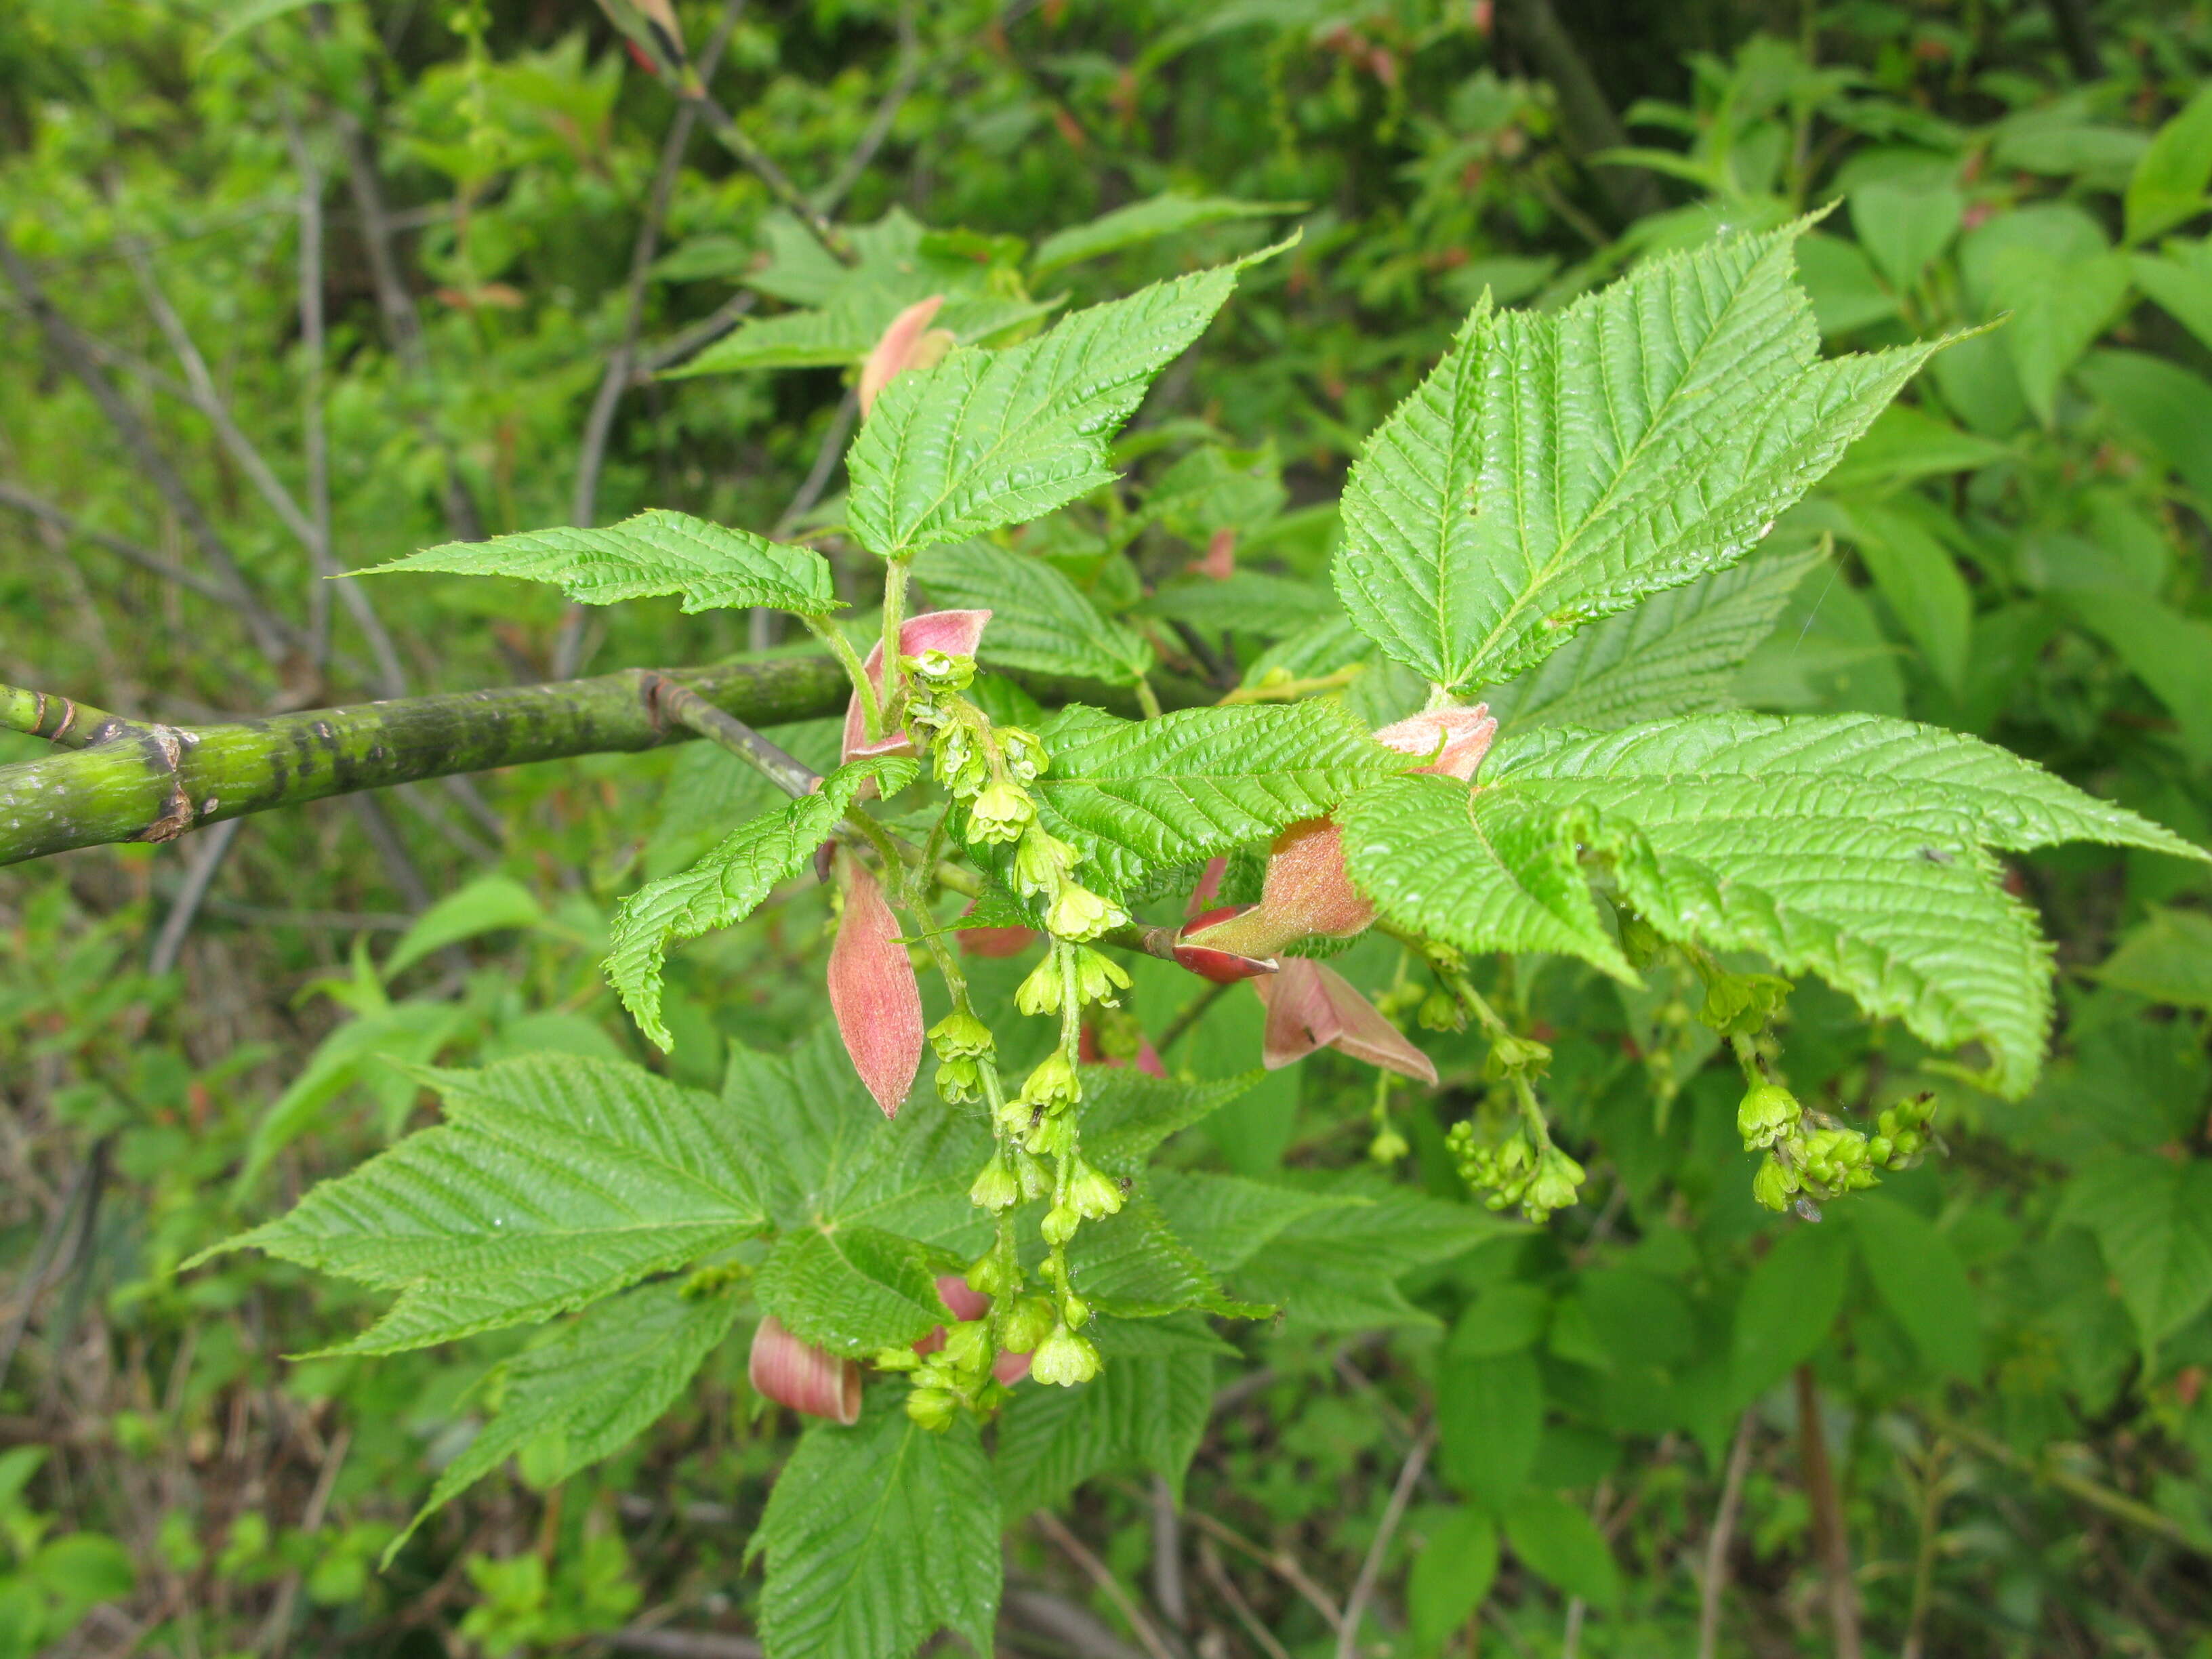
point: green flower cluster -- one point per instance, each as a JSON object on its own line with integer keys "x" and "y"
{"x": 1806, "y": 1166}
{"x": 1522, "y": 1167}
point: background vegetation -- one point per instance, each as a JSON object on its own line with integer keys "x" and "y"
{"x": 292, "y": 289}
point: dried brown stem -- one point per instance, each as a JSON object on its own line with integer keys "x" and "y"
{"x": 1831, "y": 1542}
{"x": 1370, "y": 1569}
{"x": 1108, "y": 1586}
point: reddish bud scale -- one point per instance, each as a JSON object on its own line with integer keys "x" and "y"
{"x": 873, "y": 989}
{"x": 1311, "y": 1006}
{"x": 907, "y": 343}
{"x": 956, "y": 633}
{"x": 968, "y": 1303}
{"x": 802, "y": 1376}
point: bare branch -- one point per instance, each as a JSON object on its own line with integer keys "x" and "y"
{"x": 1714, "y": 1585}
{"x": 1363, "y": 1589}
{"x": 1101, "y": 1576}
{"x": 152, "y": 562}
{"x": 207, "y": 862}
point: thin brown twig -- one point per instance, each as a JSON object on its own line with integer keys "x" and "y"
{"x": 1830, "y": 1540}
{"x": 1714, "y": 1585}
{"x": 131, "y": 552}
{"x": 1100, "y": 1575}
{"x": 276, "y": 1629}
{"x": 1209, "y": 1563}
{"x": 1281, "y": 1563}
{"x": 1370, "y": 1569}
{"x": 1167, "y": 1594}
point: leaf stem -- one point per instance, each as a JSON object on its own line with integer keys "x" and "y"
{"x": 894, "y": 574}
{"x": 1147, "y": 699}
{"x": 872, "y": 709}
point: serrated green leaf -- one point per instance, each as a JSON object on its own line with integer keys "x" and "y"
{"x": 1040, "y": 620}
{"x": 1144, "y": 221}
{"x": 590, "y": 1391}
{"x": 1482, "y": 871}
{"x": 712, "y": 566}
{"x": 824, "y": 1155}
{"x": 877, "y": 1536}
{"x": 1135, "y": 795}
{"x": 1147, "y": 1408}
{"x": 554, "y": 1181}
{"x": 1126, "y": 1115}
{"x": 1131, "y": 1264}
{"x": 1226, "y": 1220}
{"x": 2166, "y": 957}
{"x": 1246, "y": 602}
{"x": 726, "y": 885}
{"x": 1678, "y": 653}
{"x": 992, "y": 438}
{"x": 1849, "y": 845}
{"x": 1337, "y": 1268}
{"x": 854, "y": 1289}
{"x": 2153, "y": 1219}
{"x": 1555, "y": 469}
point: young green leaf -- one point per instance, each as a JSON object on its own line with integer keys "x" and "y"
{"x": 1126, "y": 1115}
{"x": 726, "y": 885}
{"x": 1131, "y": 1264}
{"x": 553, "y": 1181}
{"x": 1337, "y": 1268}
{"x": 1554, "y": 470}
{"x": 1676, "y": 654}
{"x": 878, "y": 1536}
{"x": 2153, "y": 1219}
{"x": 1226, "y": 1221}
{"x": 1040, "y": 620}
{"x": 1135, "y": 795}
{"x": 992, "y": 438}
{"x": 712, "y": 566}
{"x": 591, "y": 1390}
{"x": 845, "y": 330}
{"x": 1140, "y": 223}
{"x": 1848, "y": 846}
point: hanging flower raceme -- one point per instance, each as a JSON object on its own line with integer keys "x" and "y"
{"x": 873, "y": 988}
{"x": 801, "y": 1376}
{"x": 908, "y": 343}
{"x": 1307, "y": 894}
{"x": 969, "y": 1304}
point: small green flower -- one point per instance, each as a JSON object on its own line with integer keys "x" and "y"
{"x": 1025, "y": 756}
{"x": 996, "y": 1189}
{"x": 1079, "y": 913}
{"x": 933, "y": 1408}
{"x": 1094, "y": 1195}
{"x": 968, "y": 1345}
{"x": 1774, "y": 1185}
{"x": 1029, "y": 1322}
{"x": 1043, "y": 861}
{"x": 1557, "y": 1180}
{"x": 1098, "y": 977}
{"x": 940, "y": 671}
{"x": 1064, "y": 1359}
{"x": 1060, "y": 1223}
{"x": 999, "y": 814}
{"x": 1039, "y": 993}
{"x": 1054, "y": 1082}
{"x": 1036, "y": 1181}
{"x": 895, "y": 1359}
{"x": 960, "y": 1034}
{"x": 1768, "y": 1112}
{"x": 959, "y": 1081}
{"x": 1440, "y": 1012}
{"x": 1389, "y": 1145}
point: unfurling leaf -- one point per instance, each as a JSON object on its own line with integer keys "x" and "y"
{"x": 1556, "y": 469}
{"x": 993, "y": 438}
{"x": 712, "y": 566}
{"x": 727, "y": 884}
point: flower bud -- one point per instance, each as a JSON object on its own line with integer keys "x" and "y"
{"x": 996, "y": 1187}
{"x": 1024, "y": 754}
{"x": 1036, "y": 1181}
{"x": 1440, "y": 1012}
{"x": 895, "y": 1359}
{"x": 1079, "y": 913}
{"x": 1075, "y": 1310}
{"x": 968, "y": 1345}
{"x": 1389, "y": 1145}
{"x": 1064, "y": 1359}
{"x": 960, "y": 1033}
{"x": 954, "y": 632}
{"x": 1029, "y": 1322}
{"x": 933, "y": 1408}
{"x": 940, "y": 671}
{"x": 1094, "y": 1195}
{"x": 1043, "y": 861}
{"x": 1774, "y": 1185}
{"x": 1510, "y": 1056}
{"x": 1767, "y": 1113}
{"x": 999, "y": 814}
{"x": 1060, "y": 1223}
